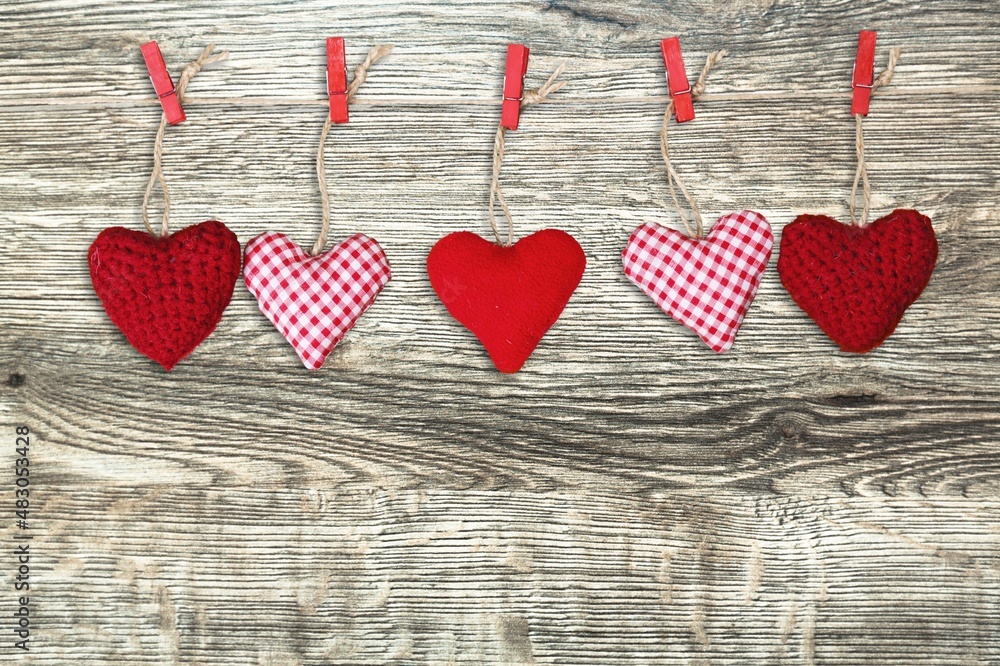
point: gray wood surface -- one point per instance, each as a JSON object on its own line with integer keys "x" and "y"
{"x": 629, "y": 497}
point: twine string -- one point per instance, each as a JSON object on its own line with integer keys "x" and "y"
{"x": 673, "y": 179}
{"x": 861, "y": 173}
{"x": 360, "y": 76}
{"x": 496, "y": 194}
{"x": 206, "y": 58}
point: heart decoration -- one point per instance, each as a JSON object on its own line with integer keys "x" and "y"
{"x": 707, "y": 284}
{"x": 508, "y": 296}
{"x": 314, "y": 301}
{"x": 856, "y": 282}
{"x": 167, "y": 293}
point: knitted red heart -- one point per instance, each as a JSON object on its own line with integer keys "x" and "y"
{"x": 706, "y": 284}
{"x": 507, "y": 296}
{"x": 165, "y": 294}
{"x": 314, "y": 301}
{"x": 856, "y": 282}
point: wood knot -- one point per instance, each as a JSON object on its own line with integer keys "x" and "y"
{"x": 16, "y": 380}
{"x": 789, "y": 427}
{"x": 853, "y": 400}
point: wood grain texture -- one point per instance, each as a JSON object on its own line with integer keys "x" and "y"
{"x": 629, "y": 497}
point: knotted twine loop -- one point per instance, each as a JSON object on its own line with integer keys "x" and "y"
{"x": 206, "y": 58}
{"x": 861, "y": 174}
{"x": 672, "y": 178}
{"x": 496, "y": 194}
{"x": 360, "y": 75}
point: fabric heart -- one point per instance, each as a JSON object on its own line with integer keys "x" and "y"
{"x": 507, "y": 296}
{"x": 166, "y": 294}
{"x": 706, "y": 284}
{"x": 856, "y": 282}
{"x": 314, "y": 301}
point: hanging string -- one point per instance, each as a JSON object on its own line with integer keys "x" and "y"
{"x": 360, "y": 75}
{"x": 496, "y": 194}
{"x": 206, "y": 58}
{"x": 673, "y": 179}
{"x": 861, "y": 174}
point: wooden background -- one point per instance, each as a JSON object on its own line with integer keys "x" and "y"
{"x": 629, "y": 497}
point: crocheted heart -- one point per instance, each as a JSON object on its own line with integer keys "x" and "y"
{"x": 706, "y": 284}
{"x": 166, "y": 294}
{"x": 507, "y": 296}
{"x": 856, "y": 282}
{"x": 314, "y": 301}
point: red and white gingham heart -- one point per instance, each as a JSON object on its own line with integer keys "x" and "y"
{"x": 314, "y": 301}
{"x": 706, "y": 284}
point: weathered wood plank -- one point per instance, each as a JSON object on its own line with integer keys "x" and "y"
{"x": 351, "y": 573}
{"x": 454, "y": 50}
{"x": 549, "y": 429}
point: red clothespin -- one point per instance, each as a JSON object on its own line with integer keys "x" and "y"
{"x": 677, "y": 80}
{"x": 162, "y": 83}
{"x": 336, "y": 78}
{"x": 863, "y": 77}
{"x": 513, "y": 85}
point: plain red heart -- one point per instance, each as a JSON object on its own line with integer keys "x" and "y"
{"x": 507, "y": 296}
{"x": 856, "y": 282}
{"x": 165, "y": 294}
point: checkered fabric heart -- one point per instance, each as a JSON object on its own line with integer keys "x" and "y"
{"x": 706, "y": 284}
{"x": 314, "y": 301}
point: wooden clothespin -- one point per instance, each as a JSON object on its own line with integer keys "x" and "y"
{"x": 863, "y": 76}
{"x": 513, "y": 85}
{"x": 162, "y": 83}
{"x": 336, "y": 79}
{"x": 677, "y": 81}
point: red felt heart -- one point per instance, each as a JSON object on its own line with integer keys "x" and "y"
{"x": 165, "y": 294}
{"x": 856, "y": 282}
{"x": 507, "y": 296}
